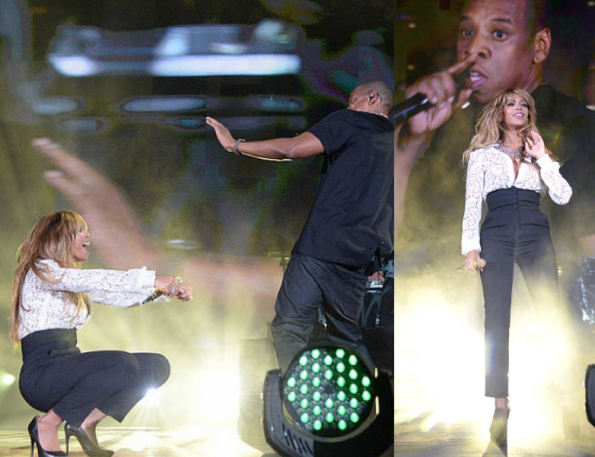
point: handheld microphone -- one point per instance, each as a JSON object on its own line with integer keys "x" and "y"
{"x": 158, "y": 293}
{"x": 411, "y": 107}
{"x": 419, "y": 102}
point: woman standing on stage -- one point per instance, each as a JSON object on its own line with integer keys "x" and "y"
{"x": 510, "y": 168}
{"x": 51, "y": 300}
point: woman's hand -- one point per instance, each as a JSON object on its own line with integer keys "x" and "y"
{"x": 173, "y": 287}
{"x": 534, "y": 145}
{"x": 471, "y": 260}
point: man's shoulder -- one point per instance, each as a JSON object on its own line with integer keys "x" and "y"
{"x": 558, "y": 108}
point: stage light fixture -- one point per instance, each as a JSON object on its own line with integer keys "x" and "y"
{"x": 329, "y": 402}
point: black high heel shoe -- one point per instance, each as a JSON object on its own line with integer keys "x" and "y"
{"x": 34, "y": 435}
{"x": 89, "y": 447}
{"x": 499, "y": 427}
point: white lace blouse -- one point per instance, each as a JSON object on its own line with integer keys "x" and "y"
{"x": 490, "y": 169}
{"x": 44, "y": 305}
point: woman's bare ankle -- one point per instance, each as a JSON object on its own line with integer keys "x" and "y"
{"x": 501, "y": 403}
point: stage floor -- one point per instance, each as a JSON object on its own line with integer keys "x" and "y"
{"x": 438, "y": 430}
{"x": 135, "y": 442}
{"x": 147, "y": 443}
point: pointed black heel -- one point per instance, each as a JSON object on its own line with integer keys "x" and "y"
{"x": 499, "y": 426}
{"x": 34, "y": 435}
{"x": 89, "y": 447}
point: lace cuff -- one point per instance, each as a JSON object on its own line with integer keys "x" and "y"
{"x": 546, "y": 161}
{"x": 558, "y": 188}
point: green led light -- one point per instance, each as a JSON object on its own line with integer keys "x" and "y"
{"x": 328, "y": 391}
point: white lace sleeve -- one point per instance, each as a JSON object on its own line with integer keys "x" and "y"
{"x": 110, "y": 287}
{"x": 558, "y": 188}
{"x": 473, "y": 201}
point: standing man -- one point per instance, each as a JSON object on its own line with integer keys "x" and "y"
{"x": 349, "y": 230}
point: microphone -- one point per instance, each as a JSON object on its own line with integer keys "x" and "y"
{"x": 419, "y": 102}
{"x": 158, "y": 293}
{"x": 411, "y": 107}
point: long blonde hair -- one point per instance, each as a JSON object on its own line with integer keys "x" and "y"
{"x": 51, "y": 238}
{"x": 490, "y": 127}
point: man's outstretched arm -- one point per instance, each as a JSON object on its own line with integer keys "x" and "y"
{"x": 279, "y": 149}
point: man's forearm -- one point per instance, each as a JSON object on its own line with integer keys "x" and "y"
{"x": 278, "y": 149}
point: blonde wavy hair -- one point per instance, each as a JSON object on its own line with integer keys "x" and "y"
{"x": 51, "y": 238}
{"x": 489, "y": 128}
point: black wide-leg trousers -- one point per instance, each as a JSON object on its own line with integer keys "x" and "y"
{"x": 514, "y": 231}
{"x": 56, "y": 375}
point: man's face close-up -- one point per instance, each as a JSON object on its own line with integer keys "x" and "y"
{"x": 498, "y": 31}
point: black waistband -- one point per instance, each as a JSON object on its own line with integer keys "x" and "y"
{"x": 42, "y": 343}
{"x": 512, "y": 197}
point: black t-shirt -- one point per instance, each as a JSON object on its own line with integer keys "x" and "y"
{"x": 352, "y": 219}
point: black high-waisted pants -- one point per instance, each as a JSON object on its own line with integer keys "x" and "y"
{"x": 56, "y": 375}
{"x": 514, "y": 231}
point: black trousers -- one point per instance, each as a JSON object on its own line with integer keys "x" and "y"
{"x": 309, "y": 284}
{"x": 56, "y": 375}
{"x": 514, "y": 231}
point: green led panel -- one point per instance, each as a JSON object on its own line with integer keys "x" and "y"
{"x": 328, "y": 390}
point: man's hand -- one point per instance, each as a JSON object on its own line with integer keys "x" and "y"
{"x": 440, "y": 88}
{"x": 117, "y": 235}
{"x": 223, "y": 134}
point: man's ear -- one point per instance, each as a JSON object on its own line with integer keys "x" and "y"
{"x": 542, "y": 44}
{"x": 373, "y": 97}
